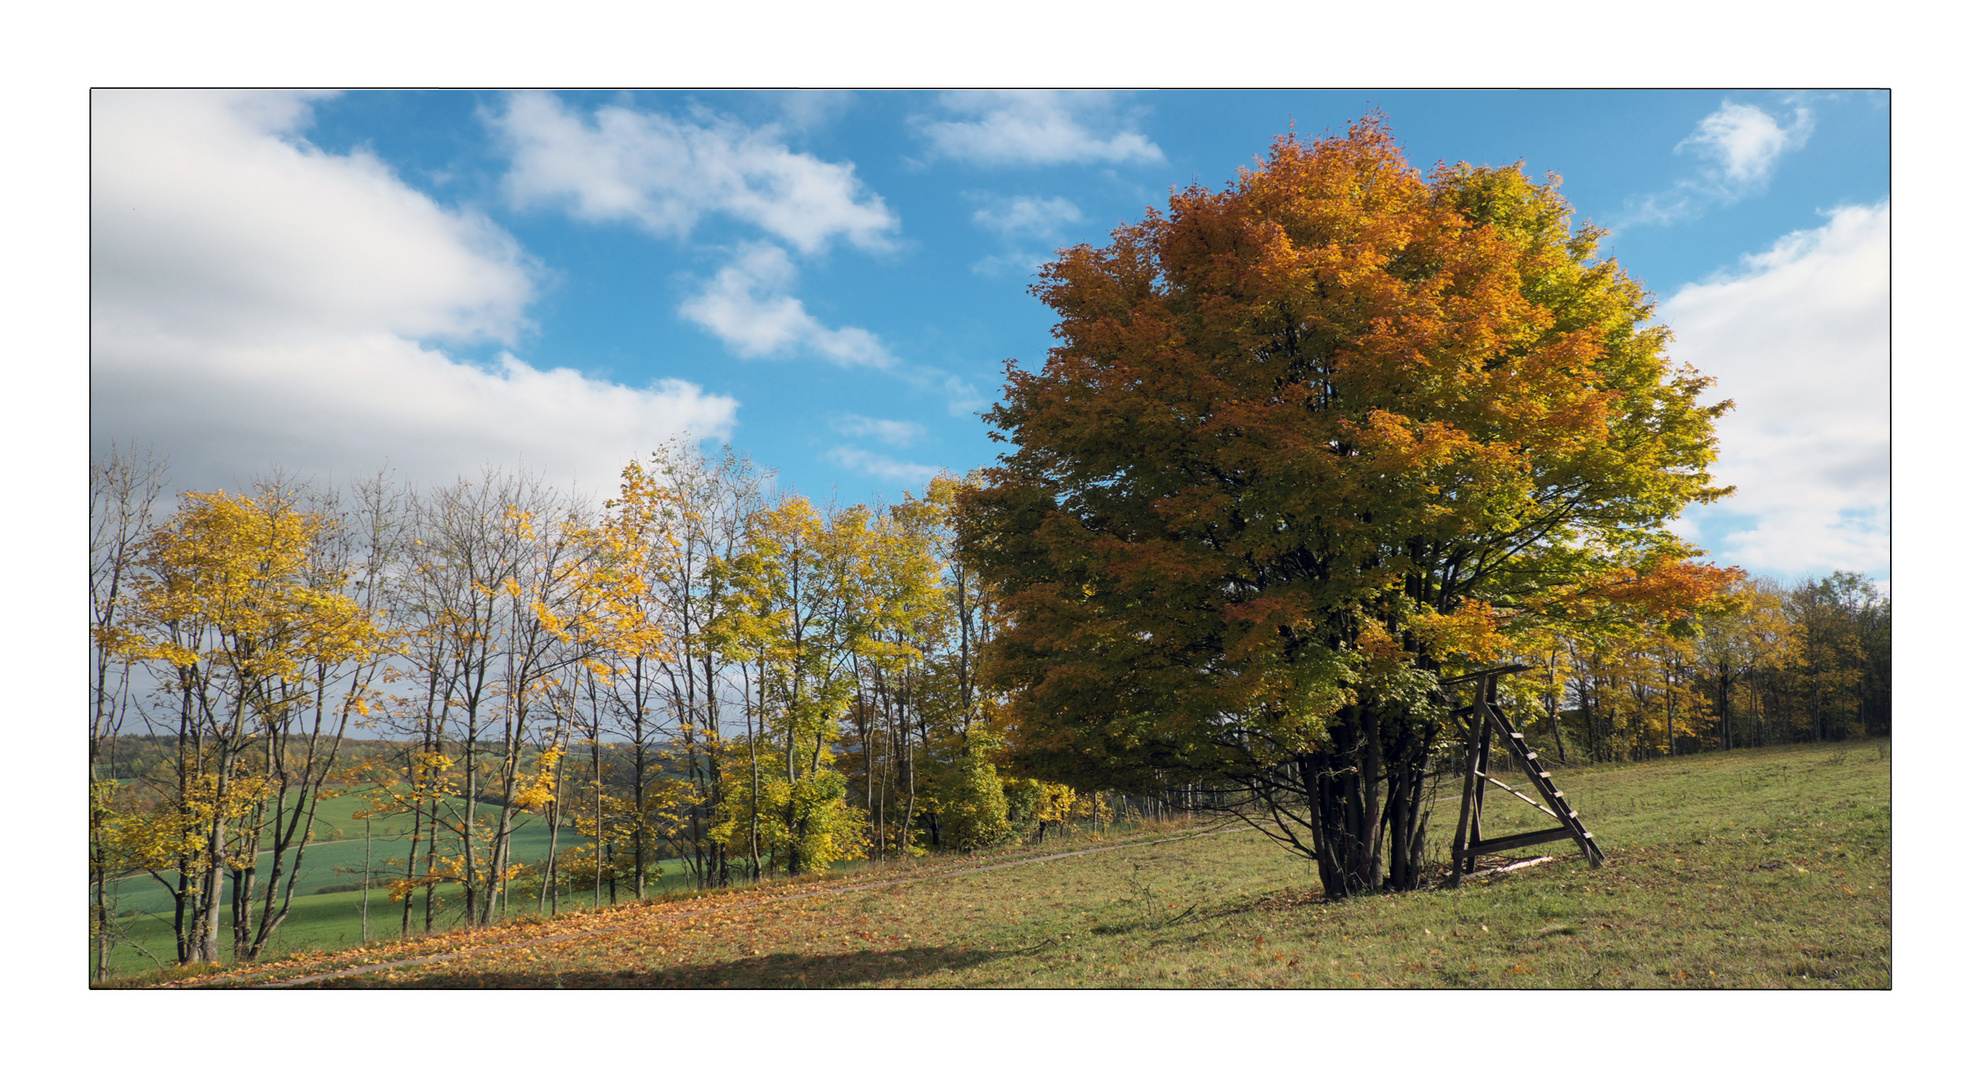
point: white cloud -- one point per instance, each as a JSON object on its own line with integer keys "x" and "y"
{"x": 746, "y": 305}
{"x": 347, "y": 406}
{"x": 1036, "y": 127}
{"x": 882, "y": 466}
{"x": 208, "y": 214}
{"x": 665, "y": 174}
{"x": 1024, "y": 215}
{"x": 256, "y": 301}
{"x": 1743, "y": 142}
{"x": 1800, "y": 339}
{"x": 895, "y": 432}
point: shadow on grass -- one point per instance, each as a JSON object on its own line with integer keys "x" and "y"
{"x": 776, "y": 971}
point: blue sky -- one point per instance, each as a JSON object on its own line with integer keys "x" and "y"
{"x": 832, "y": 281}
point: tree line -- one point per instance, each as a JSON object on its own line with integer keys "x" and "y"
{"x": 699, "y": 669}
{"x": 1762, "y": 662}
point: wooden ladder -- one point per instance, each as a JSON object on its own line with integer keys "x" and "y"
{"x": 1485, "y": 719}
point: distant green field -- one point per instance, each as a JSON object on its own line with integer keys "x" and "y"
{"x": 334, "y": 920}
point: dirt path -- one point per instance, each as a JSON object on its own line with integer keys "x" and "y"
{"x": 669, "y": 916}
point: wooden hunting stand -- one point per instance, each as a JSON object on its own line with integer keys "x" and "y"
{"x": 1483, "y": 720}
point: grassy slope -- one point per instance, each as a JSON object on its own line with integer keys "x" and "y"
{"x": 1752, "y": 869}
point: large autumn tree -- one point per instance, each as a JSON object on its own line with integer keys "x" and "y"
{"x": 1307, "y": 444}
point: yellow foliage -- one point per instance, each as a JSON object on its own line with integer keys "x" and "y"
{"x": 1093, "y": 806}
{"x": 229, "y": 582}
{"x": 1471, "y": 631}
{"x": 539, "y": 793}
{"x": 1056, "y": 802}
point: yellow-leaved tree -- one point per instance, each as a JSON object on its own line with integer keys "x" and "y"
{"x": 247, "y": 630}
{"x": 798, "y": 618}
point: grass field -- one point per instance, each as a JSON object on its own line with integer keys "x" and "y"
{"x": 1767, "y": 868}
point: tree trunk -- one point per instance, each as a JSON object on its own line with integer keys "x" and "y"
{"x": 556, "y": 819}
{"x": 364, "y": 890}
{"x": 1368, "y": 865}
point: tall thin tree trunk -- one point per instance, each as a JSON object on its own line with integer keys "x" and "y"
{"x": 1369, "y": 841}
{"x": 556, "y": 819}
{"x": 364, "y": 890}
{"x": 755, "y": 780}
{"x": 598, "y": 823}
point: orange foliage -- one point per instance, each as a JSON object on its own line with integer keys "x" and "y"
{"x": 1336, "y": 417}
{"x": 1667, "y": 589}
{"x": 1471, "y": 630}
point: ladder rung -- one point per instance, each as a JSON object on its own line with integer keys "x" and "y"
{"x": 1522, "y": 798}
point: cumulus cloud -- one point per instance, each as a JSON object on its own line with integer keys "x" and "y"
{"x": 346, "y": 407}
{"x": 257, "y": 301}
{"x": 749, "y": 307}
{"x": 665, "y": 174}
{"x": 1740, "y": 145}
{"x": 1799, "y": 337}
{"x": 209, "y": 214}
{"x": 895, "y": 432}
{"x": 1036, "y": 127}
{"x": 882, "y": 466}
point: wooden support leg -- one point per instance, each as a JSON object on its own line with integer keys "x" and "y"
{"x": 1470, "y": 793}
{"x": 1478, "y": 795}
